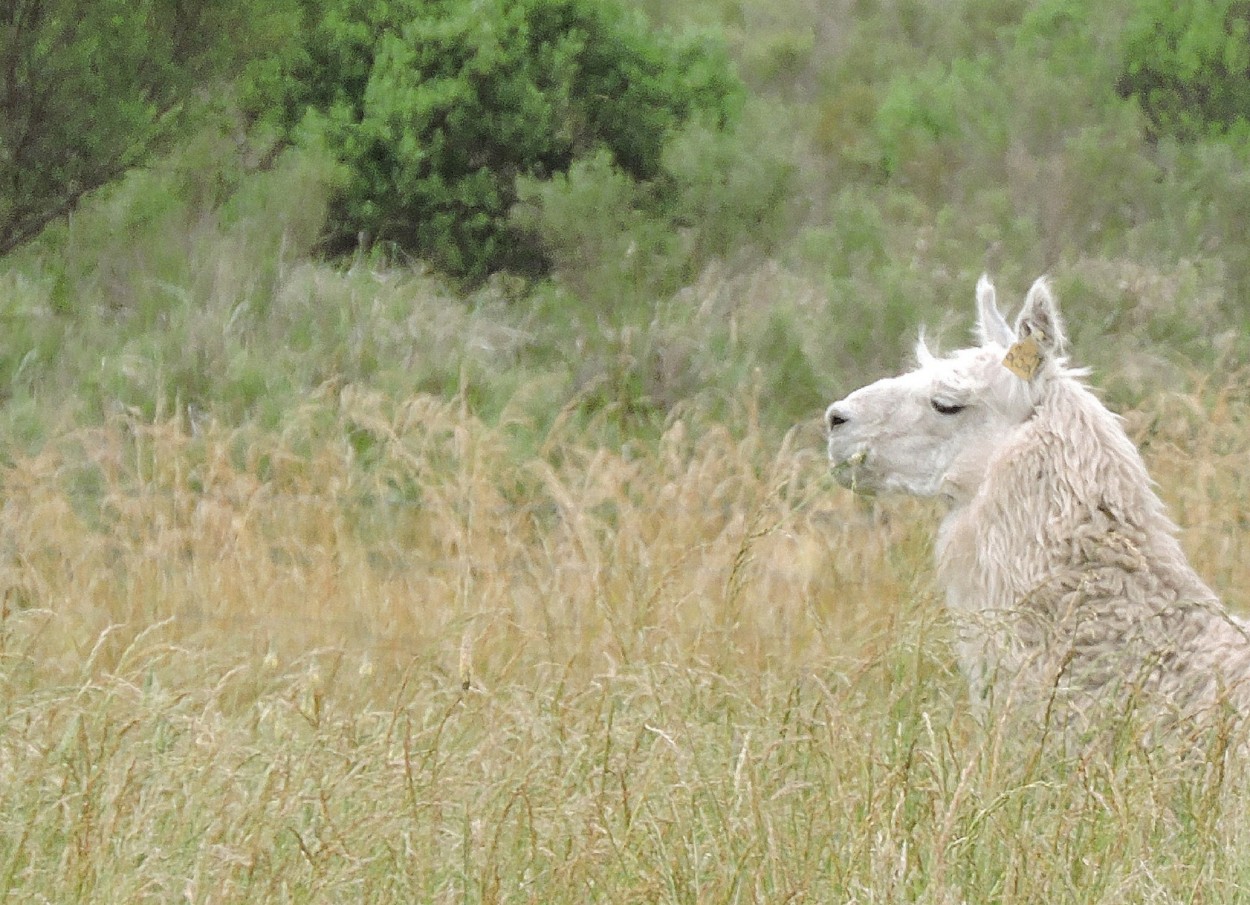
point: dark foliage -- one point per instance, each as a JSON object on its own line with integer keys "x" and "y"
{"x": 436, "y": 107}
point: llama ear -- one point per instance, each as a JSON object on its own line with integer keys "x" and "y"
{"x": 992, "y": 327}
{"x": 1040, "y": 318}
{"x": 1039, "y": 332}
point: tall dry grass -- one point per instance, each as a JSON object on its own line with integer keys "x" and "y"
{"x": 382, "y": 655}
{"x": 402, "y": 530}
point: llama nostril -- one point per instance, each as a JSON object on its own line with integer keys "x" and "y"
{"x": 834, "y": 418}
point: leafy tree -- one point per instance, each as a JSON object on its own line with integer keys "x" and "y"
{"x": 1188, "y": 64}
{"x": 437, "y": 106}
{"x": 90, "y": 88}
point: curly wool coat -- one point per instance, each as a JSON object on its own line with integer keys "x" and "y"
{"x": 1069, "y": 581}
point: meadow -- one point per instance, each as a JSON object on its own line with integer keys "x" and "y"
{"x": 243, "y": 665}
{"x": 338, "y": 581}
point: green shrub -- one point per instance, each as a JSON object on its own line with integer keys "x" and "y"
{"x": 194, "y": 227}
{"x": 616, "y": 241}
{"x": 929, "y": 118}
{"x": 728, "y": 190}
{"x": 1188, "y": 65}
{"x": 596, "y": 226}
{"x": 437, "y": 106}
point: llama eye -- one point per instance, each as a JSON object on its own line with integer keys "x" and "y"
{"x": 947, "y": 408}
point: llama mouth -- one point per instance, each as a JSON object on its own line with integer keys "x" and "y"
{"x": 850, "y": 472}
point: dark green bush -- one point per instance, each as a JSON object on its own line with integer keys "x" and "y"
{"x": 1188, "y": 65}
{"x": 437, "y": 106}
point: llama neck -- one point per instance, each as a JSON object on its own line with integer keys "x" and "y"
{"x": 1067, "y": 489}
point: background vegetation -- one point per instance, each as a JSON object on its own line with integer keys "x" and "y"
{"x": 493, "y": 559}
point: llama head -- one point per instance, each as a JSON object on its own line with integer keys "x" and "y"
{"x": 933, "y": 430}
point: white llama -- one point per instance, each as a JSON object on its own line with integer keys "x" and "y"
{"x": 1061, "y": 568}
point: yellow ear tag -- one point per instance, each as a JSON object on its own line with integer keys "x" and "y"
{"x": 1024, "y": 359}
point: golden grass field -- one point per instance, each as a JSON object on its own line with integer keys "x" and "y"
{"x": 379, "y": 655}
{"x": 336, "y": 580}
